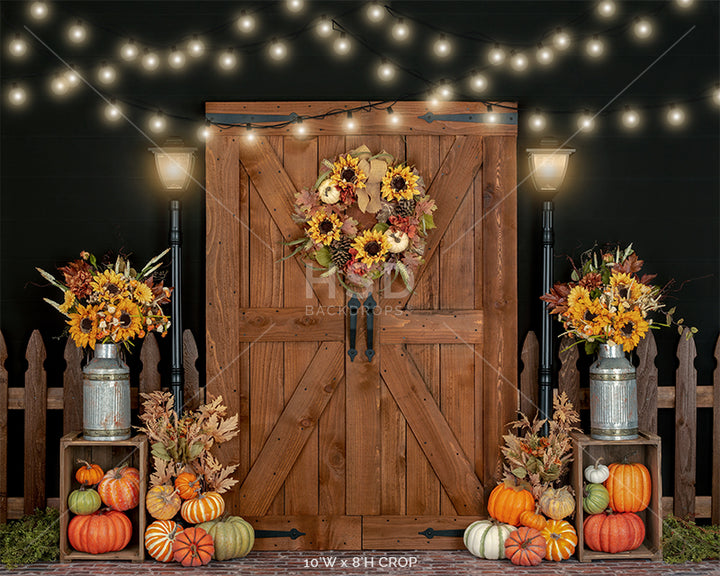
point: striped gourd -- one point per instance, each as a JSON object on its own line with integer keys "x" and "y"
{"x": 561, "y": 539}
{"x": 233, "y": 537}
{"x": 120, "y": 488}
{"x": 205, "y": 507}
{"x": 159, "y": 539}
{"x": 486, "y": 539}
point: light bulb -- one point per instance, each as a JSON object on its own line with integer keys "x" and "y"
{"x": 72, "y": 78}
{"x": 106, "y": 73}
{"x": 157, "y": 122}
{"x": 227, "y": 59}
{"x": 250, "y": 134}
{"x": 386, "y": 71}
{"x": 716, "y": 95}
{"x": 59, "y": 85}
{"x": 350, "y": 124}
{"x": 544, "y": 55}
{"x": 299, "y": 128}
{"x": 492, "y": 117}
{"x": 518, "y": 61}
{"x": 537, "y": 121}
{"x": 393, "y": 118}
{"x": 295, "y": 5}
{"x": 324, "y": 27}
{"x": 606, "y": 8}
{"x": 342, "y": 44}
{"x": 444, "y": 90}
{"x": 18, "y": 46}
{"x": 496, "y": 55}
{"x": 39, "y": 10}
{"x": 196, "y": 47}
{"x": 245, "y": 22}
{"x": 129, "y": 51}
{"x": 176, "y": 59}
{"x": 77, "y": 33}
{"x": 586, "y": 123}
{"x": 675, "y": 115}
{"x": 113, "y": 112}
{"x": 442, "y": 47}
{"x": 400, "y": 30}
{"x": 278, "y": 50}
{"x": 432, "y": 100}
{"x": 642, "y": 28}
{"x": 17, "y": 95}
{"x": 630, "y": 118}
{"x": 561, "y": 39}
{"x": 375, "y": 11}
{"x": 478, "y": 82}
{"x": 150, "y": 60}
{"x": 203, "y": 133}
{"x": 595, "y": 47}
{"x": 684, "y": 3}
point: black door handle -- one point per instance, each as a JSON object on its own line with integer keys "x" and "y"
{"x": 353, "y": 306}
{"x": 369, "y": 306}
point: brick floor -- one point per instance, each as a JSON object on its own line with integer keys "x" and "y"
{"x": 422, "y": 563}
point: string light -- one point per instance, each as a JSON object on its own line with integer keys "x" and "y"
{"x": 278, "y": 50}
{"x": 106, "y": 73}
{"x": 129, "y": 51}
{"x": 18, "y": 46}
{"x": 561, "y": 39}
{"x": 17, "y": 95}
{"x": 400, "y": 30}
{"x": 491, "y": 116}
{"x": 227, "y": 60}
{"x": 518, "y": 61}
{"x": 112, "y": 111}
{"x": 375, "y": 12}
{"x": 39, "y": 10}
{"x": 496, "y": 55}
{"x": 150, "y": 60}
{"x": 444, "y": 90}
{"x": 196, "y": 47}
{"x": 442, "y": 47}
{"x": 203, "y": 132}
{"x": 537, "y": 121}
{"x": 386, "y": 71}
{"x": 250, "y": 133}
{"x": 157, "y": 122}
{"x": 630, "y": 118}
{"x": 350, "y": 123}
{"x": 595, "y": 47}
{"x": 393, "y": 118}
{"x": 586, "y": 123}
{"x": 59, "y": 85}
{"x": 684, "y": 3}
{"x": 642, "y": 28}
{"x": 176, "y": 59}
{"x": 342, "y": 44}
{"x": 478, "y": 82}
{"x": 544, "y": 55}
{"x": 606, "y": 8}
{"x": 72, "y": 78}
{"x": 324, "y": 27}
{"x": 295, "y": 5}
{"x": 716, "y": 94}
{"x": 675, "y": 115}
{"x": 299, "y": 127}
{"x": 245, "y": 22}
{"x": 77, "y": 33}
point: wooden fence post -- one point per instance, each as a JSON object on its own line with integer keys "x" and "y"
{"x": 685, "y": 428}
{"x": 72, "y": 388}
{"x": 528, "y": 400}
{"x": 35, "y": 424}
{"x": 569, "y": 376}
{"x": 3, "y": 431}
{"x": 647, "y": 384}
{"x": 192, "y": 377}
{"x": 149, "y": 376}
{"x": 715, "y": 514}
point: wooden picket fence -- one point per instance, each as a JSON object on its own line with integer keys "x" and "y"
{"x": 685, "y": 398}
{"x": 35, "y": 398}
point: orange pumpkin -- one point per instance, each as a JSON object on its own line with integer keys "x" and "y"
{"x": 525, "y": 546}
{"x": 120, "y": 488}
{"x": 613, "y": 532}
{"x": 159, "y": 539}
{"x": 204, "y": 508}
{"x": 629, "y": 486}
{"x": 193, "y": 547}
{"x": 533, "y": 520}
{"x": 88, "y": 474}
{"x": 561, "y": 539}
{"x": 506, "y": 503}
{"x": 162, "y": 502}
{"x": 187, "y": 485}
{"x": 103, "y": 531}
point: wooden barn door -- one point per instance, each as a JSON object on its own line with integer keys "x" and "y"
{"x": 394, "y": 453}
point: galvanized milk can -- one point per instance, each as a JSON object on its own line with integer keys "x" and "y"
{"x": 613, "y": 395}
{"x": 106, "y": 395}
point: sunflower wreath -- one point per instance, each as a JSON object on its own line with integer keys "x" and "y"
{"x": 366, "y": 217}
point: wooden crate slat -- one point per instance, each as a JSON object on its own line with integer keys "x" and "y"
{"x": 191, "y": 382}
{"x": 3, "y": 431}
{"x": 72, "y": 390}
{"x": 528, "y": 397}
{"x": 685, "y": 428}
{"x": 35, "y": 424}
{"x": 647, "y": 384}
{"x": 569, "y": 375}
{"x": 716, "y": 434}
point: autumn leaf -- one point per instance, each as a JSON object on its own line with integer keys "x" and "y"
{"x": 630, "y": 265}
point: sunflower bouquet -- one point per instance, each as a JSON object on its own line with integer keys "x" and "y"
{"x": 607, "y": 301}
{"x": 110, "y": 303}
{"x": 355, "y": 187}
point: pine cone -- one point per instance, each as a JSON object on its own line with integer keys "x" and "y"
{"x": 405, "y": 208}
{"x": 340, "y": 251}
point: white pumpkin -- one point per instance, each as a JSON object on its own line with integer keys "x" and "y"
{"x": 486, "y": 539}
{"x": 597, "y": 473}
{"x": 397, "y": 241}
{"x": 328, "y": 192}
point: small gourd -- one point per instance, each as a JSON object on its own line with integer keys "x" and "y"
{"x": 397, "y": 241}
{"x": 84, "y": 501}
{"x": 486, "y": 539}
{"x": 88, "y": 474}
{"x": 557, "y": 504}
{"x": 328, "y": 192}
{"x": 597, "y": 473}
{"x": 596, "y": 498}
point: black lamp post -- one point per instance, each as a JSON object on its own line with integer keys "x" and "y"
{"x": 174, "y": 164}
{"x": 548, "y": 166}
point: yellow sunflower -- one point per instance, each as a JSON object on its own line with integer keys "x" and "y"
{"x": 625, "y": 290}
{"x": 324, "y": 227}
{"x": 629, "y": 327}
{"x": 347, "y": 171}
{"x": 83, "y": 326}
{"x": 68, "y": 302}
{"x": 110, "y": 286}
{"x": 577, "y": 295}
{"x": 371, "y": 247}
{"x": 595, "y": 318}
{"x": 142, "y": 293}
{"x": 399, "y": 183}
{"x": 126, "y": 321}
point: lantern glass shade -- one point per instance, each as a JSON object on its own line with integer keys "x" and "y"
{"x": 548, "y": 167}
{"x": 174, "y": 165}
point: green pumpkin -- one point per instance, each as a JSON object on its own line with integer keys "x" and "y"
{"x": 233, "y": 537}
{"x": 596, "y": 499}
{"x": 84, "y": 501}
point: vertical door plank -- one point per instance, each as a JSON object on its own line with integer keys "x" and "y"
{"x": 226, "y": 264}
{"x": 569, "y": 375}
{"x": 331, "y": 428}
{"x": 715, "y": 513}
{"x": 529, "y": 376}
{"x": 3, "y": 431}
{"x": 647, "y": 384}
{"x": 192, "y": 377}
{"x": 423, "y": 486}
{"x": 685, "y": 428}
{"x": 72, "y": 389}
{"x": 301, "y": 484}
{"x": 35, "y": 424}
{"x": 499, "y": 296}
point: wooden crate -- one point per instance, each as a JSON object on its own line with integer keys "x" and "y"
{"x": 108, "y": 455}
{"x": 645, "y": 450}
